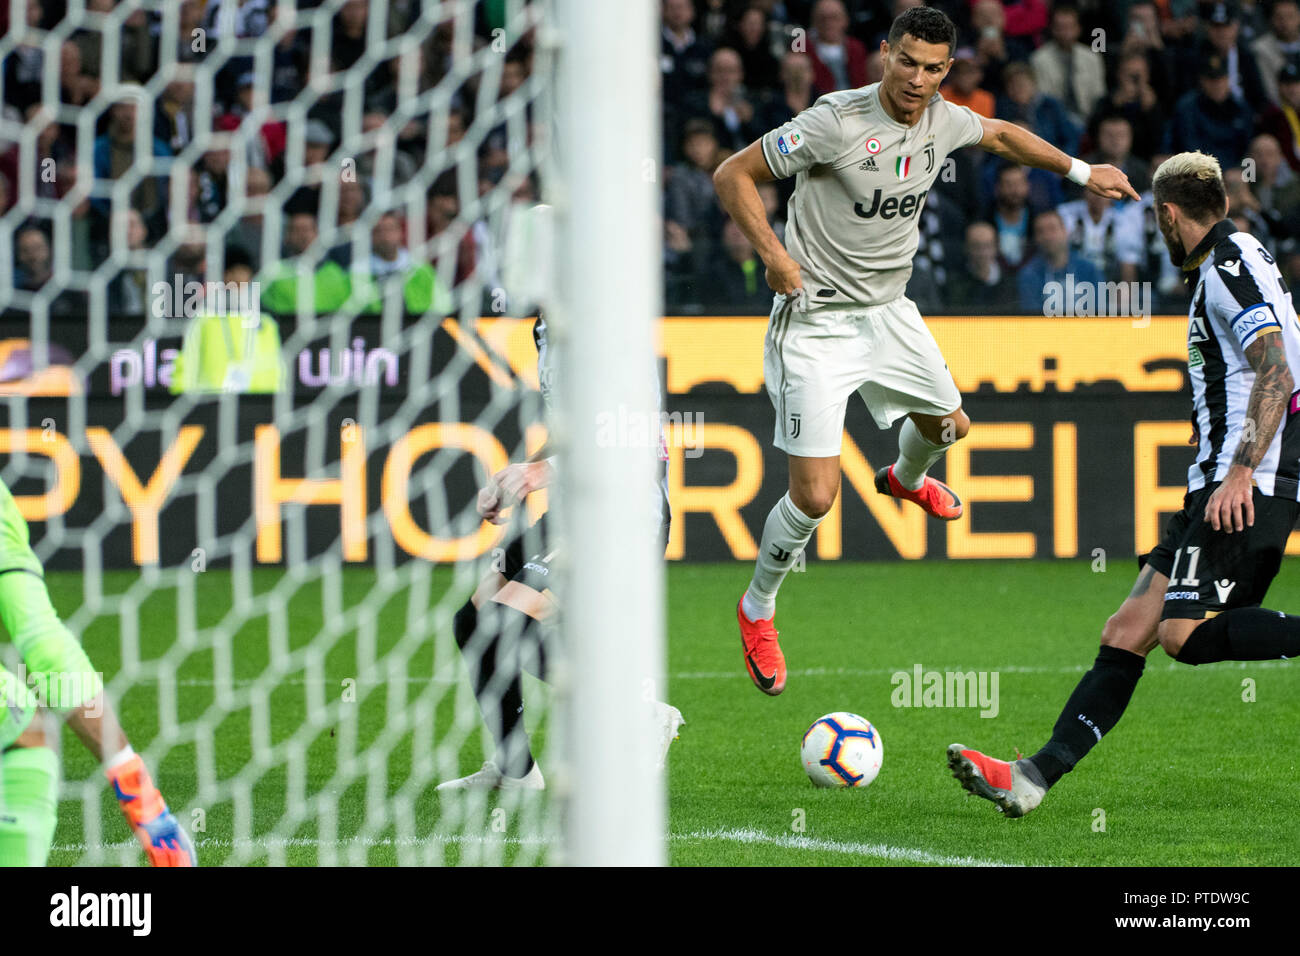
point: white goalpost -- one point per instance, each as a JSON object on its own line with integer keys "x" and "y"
{"x": 606, "y": 155}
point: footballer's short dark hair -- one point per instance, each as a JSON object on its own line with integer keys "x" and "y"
{"x": 926, "y": 24}
{"x": 1194, "y": 183}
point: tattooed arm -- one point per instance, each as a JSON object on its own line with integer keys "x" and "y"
{"x": 1231, "y": 504}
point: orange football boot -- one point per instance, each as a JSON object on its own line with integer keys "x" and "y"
{"x": 933, "y": 496}
{"x": 763, "y": 657}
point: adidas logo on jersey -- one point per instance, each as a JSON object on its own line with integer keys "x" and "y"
{"x": 870, "y": 165}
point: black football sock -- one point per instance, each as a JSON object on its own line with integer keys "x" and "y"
{"x": 492, "y": 659}
{"x": 1094, "y": 708}
{"x": 1243, "y": 634}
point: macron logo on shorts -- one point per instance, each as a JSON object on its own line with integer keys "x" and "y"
{"x": 787, "y": 143}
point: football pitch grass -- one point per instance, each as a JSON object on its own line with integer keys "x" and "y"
{"x": 1201, "y": 771}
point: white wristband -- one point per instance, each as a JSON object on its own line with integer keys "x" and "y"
{"x": 1080, "y": 172}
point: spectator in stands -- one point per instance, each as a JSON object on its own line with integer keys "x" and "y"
{"x": 1210, "y": 118}
{"x": 1098, "y": 231}
{"x": 35, "y": 264}
{"x": 1143, "y": 38}
{"x": 327, "y": 286}
{"x": 691, "y": 204}
{"x": 772, "y": 208}
{"x": 1134, "y": 98}
{"x": 384, "y": 155}
{"x": 1114, "y": 141}
{"x": 115, "y": 154}
{"x": 1282, "y": 122}
{"x": 1280, "y": 45}
{"x": 981, "y": 284}
{"x": 1011, "y": 214}
{"x": 726, "y": 102}
{"x": 1244, "y": 204}
{"x": 173, "y": 120}
{"x": 352, "y": 200}
{"x": 1275, "y": 187}
{"x": 1026, "y": 20}
{"x": 1067, "y": 70}
{"x": 212, "y": 172}
{"x": 83, "y": 228}
{"x": 128, "y": 292}
{"x": 392, "y": 272}
{"x": 191, "y": 47}
{"x": 963, "y": 86}
{"x": 1223, "y": 39}
{"x": 1042, "y": 281}
{"x": 348, "y": 38}
{"x": 251, "y": 17}
{"x": 988, "y": 20}
{"x": 76, "y": 88}
{"x": 839, "y": 61}
{"x": 1041, "y": 113}
{"x": 795, "y": 96}
{"x": 738, "y": 282}
{"x": 52, "y": 149}
{"x": 24, "y": 64}
{"x": 684, "y": 57}
{"x": 750, "y": 40}
{"x": 247, "y": 230}
{"x": 442, "y": 206}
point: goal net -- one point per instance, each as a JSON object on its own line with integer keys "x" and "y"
{"x": 268, "y": 291}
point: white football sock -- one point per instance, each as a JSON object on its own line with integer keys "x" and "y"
{"x": 916, "y": 454}
{"x": 785, "y": 533}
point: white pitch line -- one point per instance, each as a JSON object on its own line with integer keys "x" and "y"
{"x": 880, "y": 851}
{"x": 739, "y": 673}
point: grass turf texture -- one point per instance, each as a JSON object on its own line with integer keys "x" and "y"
{"x": 1193, "y": 775}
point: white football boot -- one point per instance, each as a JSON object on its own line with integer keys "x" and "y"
{"x": 490, "y": 777}
{"x": 1009, "y": 785}
{"x": 667, "y": 718}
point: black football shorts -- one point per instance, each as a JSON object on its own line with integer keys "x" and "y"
{"x": 1210, "y": 571}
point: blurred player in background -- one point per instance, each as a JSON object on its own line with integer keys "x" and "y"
{"x": 1198, "y": 593}
{"x": 503, "y": 629}
{"x": 64, "y": 681}
{"x": 864, "y": 159}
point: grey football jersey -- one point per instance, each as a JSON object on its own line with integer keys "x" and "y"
{"x": 861, "y": 181}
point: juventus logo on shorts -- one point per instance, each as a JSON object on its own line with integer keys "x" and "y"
{"x": 794, "y": 425}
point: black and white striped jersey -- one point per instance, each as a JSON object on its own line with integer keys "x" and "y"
{"x": 1239, "y": 295}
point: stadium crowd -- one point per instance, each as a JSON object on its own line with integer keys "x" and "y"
{"x": 1123, "y": 82}
{"x": 242, "y": 97}
{"x": 1117, "y": 82}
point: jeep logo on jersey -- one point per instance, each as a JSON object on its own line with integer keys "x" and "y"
{"x": 891, "y": 207}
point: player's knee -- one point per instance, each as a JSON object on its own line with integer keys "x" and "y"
{"x": 1123, "y": 632}
{"x": 956, "y": 427}
{"x": 814, "y": 502}
{"x": 464, "y": 624}
{"x": 1173, "y": 634}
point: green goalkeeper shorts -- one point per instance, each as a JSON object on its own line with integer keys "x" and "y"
{"x": 16, "y": 552}
{"x": 17, "y": 707}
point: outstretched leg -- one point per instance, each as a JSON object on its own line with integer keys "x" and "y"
{"x": 1093, "y": 709}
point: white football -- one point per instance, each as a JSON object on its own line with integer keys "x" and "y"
{"x": 842, "y": 750}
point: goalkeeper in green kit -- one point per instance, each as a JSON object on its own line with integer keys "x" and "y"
{"x": 60, "y": 681}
